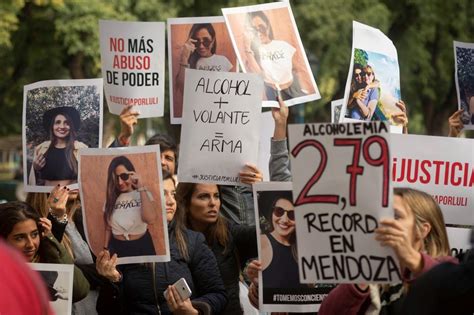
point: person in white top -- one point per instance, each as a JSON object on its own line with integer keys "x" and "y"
{"x": 129, "y": 208}
{"x": 273, "y": 59}
{"x": 199, "y": 52}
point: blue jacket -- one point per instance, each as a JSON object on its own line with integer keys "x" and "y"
{"x": 136, "y": 293}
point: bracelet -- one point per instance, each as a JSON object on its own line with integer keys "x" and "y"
{"x": 249, "y": 51}
{"x": 148, "y": 193}
{"x": 143, "y": 188}
{"x": 186, "y": 65}
{"x": 61, "y": 219}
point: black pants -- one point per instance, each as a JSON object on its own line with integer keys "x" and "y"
{"x": 140, "y": 247}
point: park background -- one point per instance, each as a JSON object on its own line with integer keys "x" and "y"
{"x": 59, "y": 39}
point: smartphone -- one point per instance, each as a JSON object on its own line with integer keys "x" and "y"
{"x": 183, "y": 289}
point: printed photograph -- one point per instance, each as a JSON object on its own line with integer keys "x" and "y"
{"x": 278, "y": 252}
{"x": 58, "y": 279}
{"x": 196, "y": 43}
{"x": 464, "y": 53}
{"x": 375, "y": 87}
{"x": 123, "y": 204}
{"x": 60, "y": 117}
{"x": 267, "y": 42}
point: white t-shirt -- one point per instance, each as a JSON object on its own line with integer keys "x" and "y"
{"x": 214, "y": 63}
{"x": 276, "y": 60}
{"x": 127, "y": 215}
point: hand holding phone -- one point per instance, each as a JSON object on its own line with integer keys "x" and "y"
{"x": 182, "y": 288}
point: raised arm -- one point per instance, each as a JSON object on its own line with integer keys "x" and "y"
{"x": 279, "y": 159}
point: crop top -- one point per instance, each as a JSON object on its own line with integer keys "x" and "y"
{"x": 56, "y": 167}
{"x": 127, "y": 215}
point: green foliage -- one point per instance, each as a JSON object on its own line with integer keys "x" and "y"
{"x": 360, "y": 57}
{"x": 57, "y": 39}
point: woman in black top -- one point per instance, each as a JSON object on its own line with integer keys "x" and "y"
{"x": 55, "y": 160}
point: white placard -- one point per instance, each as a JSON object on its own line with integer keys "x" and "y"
{"x": 280, "y": 289}
{"x": 440, "y": 166}
{"x": 220, "y": 130}
{"x": 59, "y": 280}
{"x": 373, "y": 82}
{"x": 133, "y": 66}
{"x": 341, "y": 189}
{"x": 459, "y": 240}
{"x": 464, "y": 76}
{"x": 123, "y": 204}
{"x": 201, "y": 43}
{"x": 267, "y": 41}
{"x": 59, "y": 115}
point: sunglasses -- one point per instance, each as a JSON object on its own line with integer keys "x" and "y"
{"x": 124, "y": 176}
{"x": 260, "y": 28}
{"x": 279, "y": 212}
{"x": 206, "y": 42}
{"x": 360, "y": 74}
{"x": 369, "y": 73}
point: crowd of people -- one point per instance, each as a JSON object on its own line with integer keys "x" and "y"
{"x": 214, "y": 247}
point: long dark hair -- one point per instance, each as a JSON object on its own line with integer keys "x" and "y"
{"x": 179, "y": 222}
{"x": 14, "y": 212}
{"x": 70, "y": 140}
{"x": 254, "y": 46}
{"x": 216, "y": 232}
{"x": 284, "y": 195}
{"x": 194, "y": 57}
{"x": 112, "y": 184}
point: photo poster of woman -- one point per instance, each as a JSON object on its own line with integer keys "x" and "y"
{"x": 267, "y": 41}
{"x": 464, "y": 76}
{"x": 201, "y": 43}
{"x": 122, "y": 202}
{"x": 58, "y": 279}
{"x": 279, "y": 285}
{"x": 373, "y": 83}
{"x": 59, "y": 118}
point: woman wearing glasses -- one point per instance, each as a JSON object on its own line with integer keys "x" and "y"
{"x": 364, "y": 108}
{"x": 273, "y": 59}
{"x": 199, "y": 52}
{"x": 279, "y": 244}
{"x": 129, "y": 208}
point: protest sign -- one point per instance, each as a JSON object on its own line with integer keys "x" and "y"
{"x": 447, "y": 174}
{"x": 58, "y": 279}
{"x": 59, "y": 118}
{"x": 336, "y": 107}
{"x": 341, "y": 188}
{"x": 267, "y": 42}
{"x": 464, "y": 76}
{"x": 279, "y": 287}
{"x": 220, "y": 131}
{"x": 201, "y": 43}
{"x": 373, "y": 83}
{"x": 459, "y": 240}
{"x": 123, "y": 204}
{"x": 133, "y": 66}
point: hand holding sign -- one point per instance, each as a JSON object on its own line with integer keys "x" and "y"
{"x": 339, "y": 203}
{"x": 397, "y": 235}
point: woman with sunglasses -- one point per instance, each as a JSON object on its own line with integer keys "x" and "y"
{"x": 129, "y": 208}
{"x": 199, "y": 52}
{"x": 364, "y": 107}
{"x": 273, "y": 59}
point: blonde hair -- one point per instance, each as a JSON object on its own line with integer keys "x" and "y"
{"x": 39, "y": 202}
{"x": 426, "y": 210}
